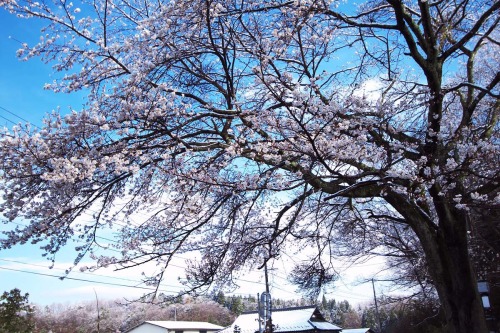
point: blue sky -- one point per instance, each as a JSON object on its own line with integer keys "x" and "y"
{"x": 22, "y": 98}
{"x": 21, "y": 82}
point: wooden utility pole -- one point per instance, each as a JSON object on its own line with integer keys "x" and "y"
{"x": 376, "y": 308}
{"x": 259, "y": 310}
{"x": 269, "y": 321}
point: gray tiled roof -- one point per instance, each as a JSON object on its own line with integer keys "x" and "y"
{"x": 285, "y": 320}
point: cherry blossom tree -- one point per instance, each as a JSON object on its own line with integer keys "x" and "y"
{"x": 244, "y": 129}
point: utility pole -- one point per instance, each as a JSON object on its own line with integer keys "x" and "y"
{"x": 376, "y": 308}
{"x": 267, "y": 280}
{"x": 260, "y": 312}
{"x": 98, "y": 314}
{"x": 269, "y": 322}
{"x": 264, "y": 307}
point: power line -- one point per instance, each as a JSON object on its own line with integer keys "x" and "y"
{"x": 87, "y": 273}
{"x": 108, "y": 248}
{"x": 16, "y": 115}
{"x": 62, "y": 269}
{"x": 83, "y": 280}
{"x": 349, "y": 295}
{"x": 286, "y": 291}
{"x": 274, "y": 274}
{"x": 112, "y": 249}
{"x": 11, "y": 121}
{"x": 274, "y": 286}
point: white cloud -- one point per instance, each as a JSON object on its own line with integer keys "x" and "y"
{"x": 371, "y": 89}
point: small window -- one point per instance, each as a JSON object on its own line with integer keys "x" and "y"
{"x": 178, "y": 331}
{"x": 203, "y": 331}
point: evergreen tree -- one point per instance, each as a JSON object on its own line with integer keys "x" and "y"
{"x": 16, "y": 314}
{"x": 369, "y": 318}
{"x": 221, "y": 298}
{"x": 236, "y": 305}
{"x": 324, "y": 303}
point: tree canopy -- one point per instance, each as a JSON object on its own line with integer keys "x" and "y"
{"x": 16, "y": 314}
{"x": 244, "y": 129}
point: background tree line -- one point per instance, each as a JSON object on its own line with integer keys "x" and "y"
{"x": 17, "y": 315}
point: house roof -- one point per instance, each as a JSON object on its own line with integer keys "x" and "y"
{"x": 185, "y": 325}
{"x": 181, "y": 325}
{"x": 285, "y": 320}
{"x": 358, "y": 330}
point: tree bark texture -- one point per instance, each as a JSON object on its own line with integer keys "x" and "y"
{"x": 446, "y": 248}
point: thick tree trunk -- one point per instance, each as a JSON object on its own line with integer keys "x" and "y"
{"x": 446, "y": 250}
{"x": 457, "y": 289}
{"x": 450, "y": 266}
